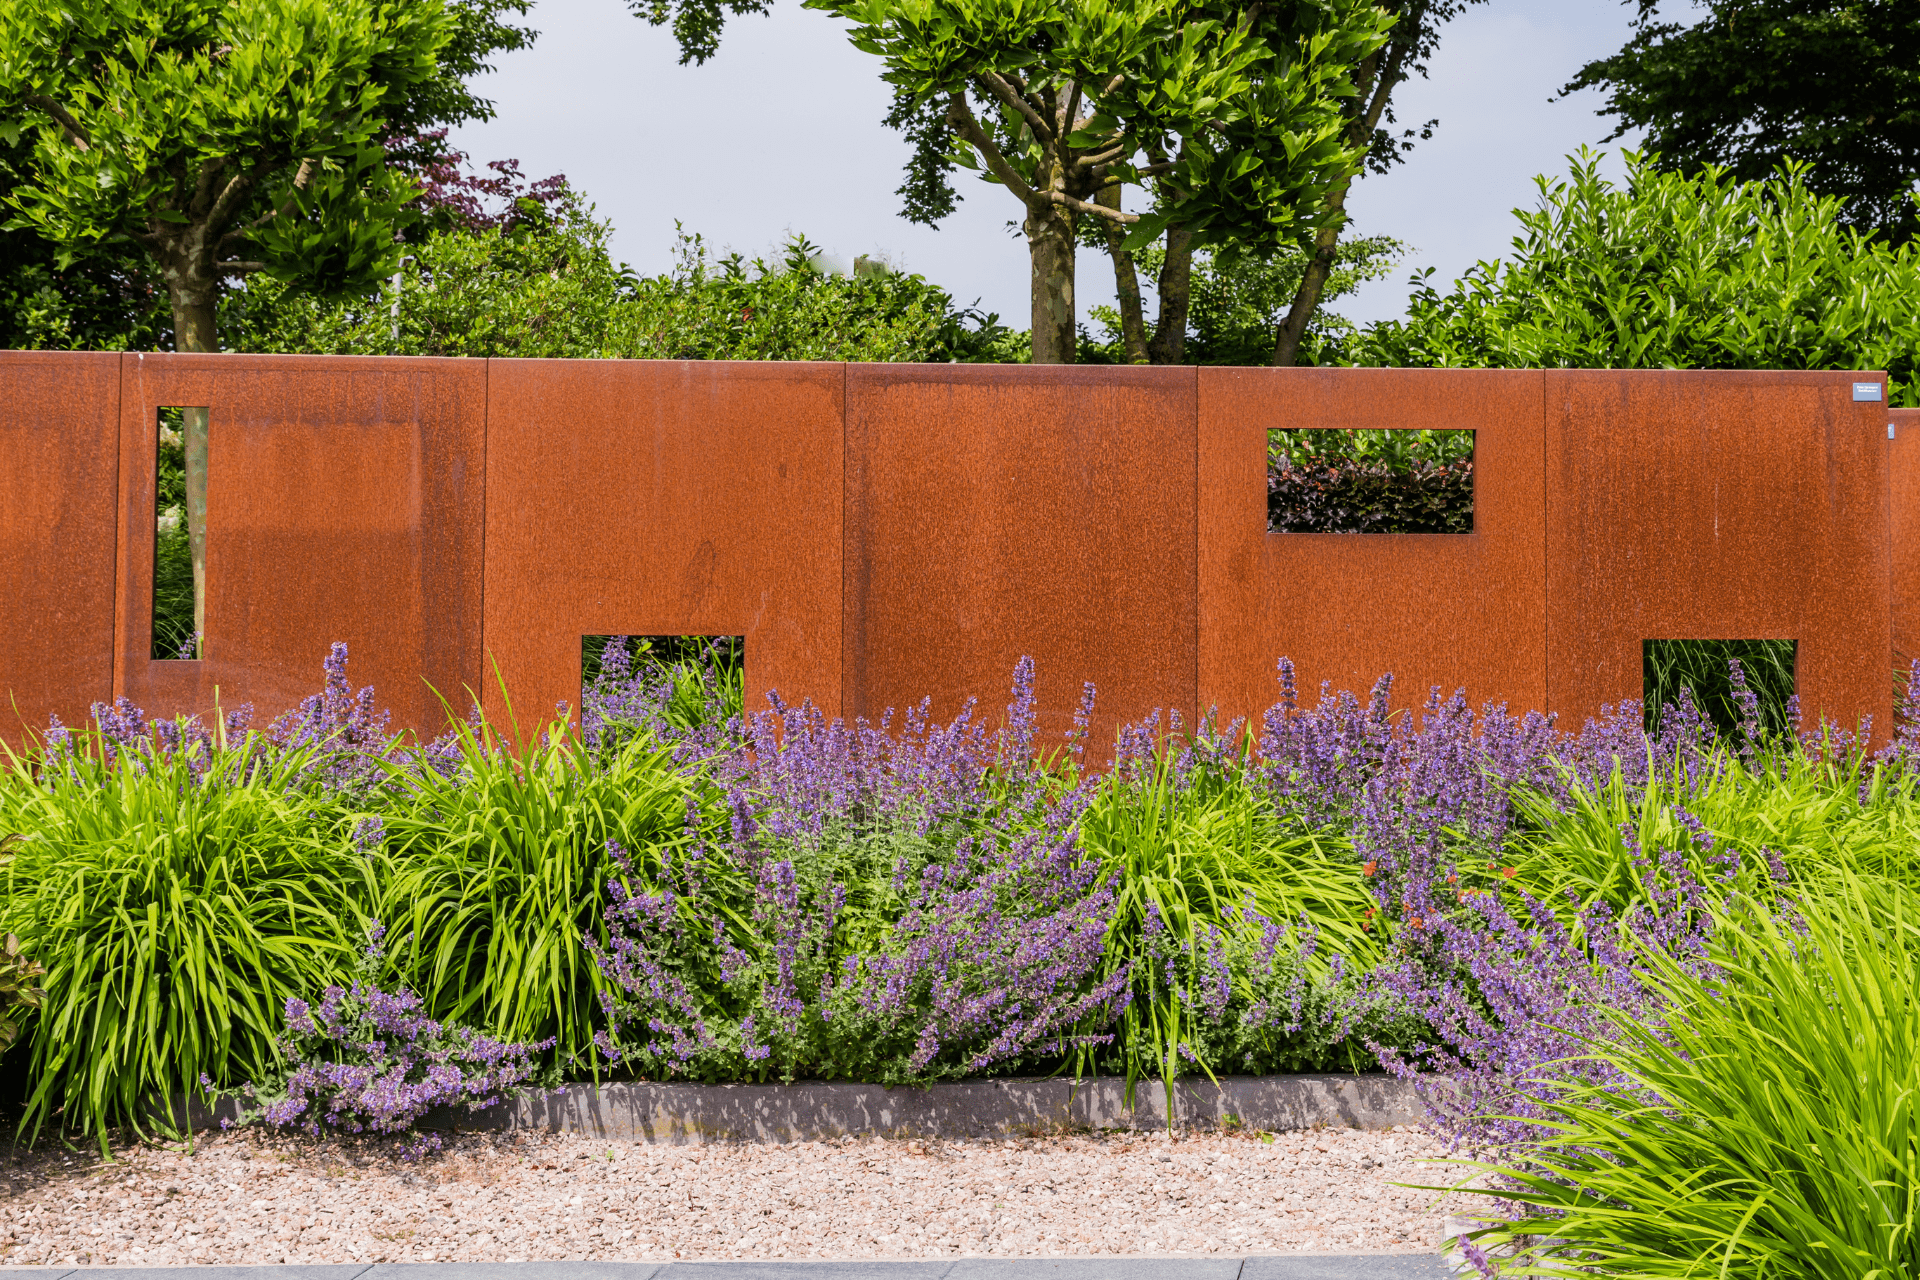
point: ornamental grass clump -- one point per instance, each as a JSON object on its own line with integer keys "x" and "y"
{"x": 499, "y": 873}
{"x": 178, "y": 886}
{"x": 368, "y": 1061}
{"x": 1204, "y": 864}
{"x": 1764, "y": 1126}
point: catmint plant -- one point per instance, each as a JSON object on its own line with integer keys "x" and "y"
{"x": 365, "y": 1060}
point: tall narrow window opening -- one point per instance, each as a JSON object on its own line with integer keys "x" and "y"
{"x": 180, "y": 533}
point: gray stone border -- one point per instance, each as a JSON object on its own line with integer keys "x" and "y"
{"x": 680, "y": 1114}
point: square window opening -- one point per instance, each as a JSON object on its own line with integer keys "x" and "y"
{"x": 180, "y": 533}
{"x": 1704, "y": 670}
{"x": 1339, "y": 480}
{"x": 670, "y": 684}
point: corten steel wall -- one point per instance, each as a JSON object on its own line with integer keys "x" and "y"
{"x": 344, "y": 502}
{"x": 1903, "y": 494}
{"x": 1697, "y": 505}
{"x": 663, "y": 498}
{"x": 59, "y": 468}
{"x": 884, "y": 533}
{"x": 996, "y": 512}
{"x": 1454, "y": 610}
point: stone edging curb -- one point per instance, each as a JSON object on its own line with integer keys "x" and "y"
{"x": 694, "y": 1113}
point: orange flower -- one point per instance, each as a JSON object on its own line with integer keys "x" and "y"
{"x": 1366, "y": 868}
{"x": 1510, "y": 872}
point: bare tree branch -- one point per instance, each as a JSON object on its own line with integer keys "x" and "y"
{"x": 1118, "y": 151}
{"x": 961, "y": 117}
{"x": 203, "y": 184}
{"x": 228, "y": 204}
{"x": 1097, "y": 210}
{"x": 1032, "y": 99}
{"x": 63, "y": 118}
{"x": 999, "y": 88}
{"x": 239, "y": 268}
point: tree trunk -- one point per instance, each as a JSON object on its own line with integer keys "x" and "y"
{"x": 193, "y": 330}
{"x": 1286, "y": 345}
{"x": 1126, "y": 283}
{"x": 1050, "y": 245}
{"x": 1379, "y": 73}
{"x": 1176, "y": 293}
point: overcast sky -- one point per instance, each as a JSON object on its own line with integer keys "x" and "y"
{"x": 780, "y": 133}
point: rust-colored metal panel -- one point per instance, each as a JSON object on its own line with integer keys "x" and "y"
{"x": 996, "y": 512}
{"x": 59, "y": 460}
{"x": 345, "y": 501}
{"x": 1453, "y": 610}
{"x": 663, "y": 498}
{"x": 1717, "y": 505}
{"x": 1903, "y": 493}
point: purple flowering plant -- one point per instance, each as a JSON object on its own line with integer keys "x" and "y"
{"x": 890, "y": 906}
{"x": 368, "y": 1061}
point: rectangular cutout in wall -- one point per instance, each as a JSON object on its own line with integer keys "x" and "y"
{"x": 1703, "y": 666}
{"x": 688, "y": 681}
{"x": 1334, "y": 480}
{"x": 179, "y": 544}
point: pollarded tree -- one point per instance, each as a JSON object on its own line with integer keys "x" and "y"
{"x": 1238, "y": 136}
{"x": 223, "y": 137}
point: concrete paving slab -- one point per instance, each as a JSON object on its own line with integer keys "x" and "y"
{"x": 343, "y": 1271}
{"x": 1349, "y": 1266}
{"x": 513, "y": 1271}
{"x": 1095, "y": 1269}
{"x": 772, "y": 1270}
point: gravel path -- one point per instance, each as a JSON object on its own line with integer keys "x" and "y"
{"x": 252, "y": 1198}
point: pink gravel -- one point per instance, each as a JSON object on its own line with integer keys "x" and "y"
{"x": 256, "y": 1198}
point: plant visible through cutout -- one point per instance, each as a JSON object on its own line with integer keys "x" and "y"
{"x": 1702, "y": 666}
{"x": 680, "y": 677}
{"x": 179, "y": 543}
{"x": 1334, "y": 480}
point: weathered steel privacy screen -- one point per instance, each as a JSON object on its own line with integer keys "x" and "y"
{"x": 884, "y": 533}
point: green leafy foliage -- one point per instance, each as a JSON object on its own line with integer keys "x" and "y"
{"x": 1191, "y": 859}
{"x": 546, "y": 286}
{"x": 1700, "y": 666}
{"x": 1671, "y": 271}
{"x": 167, "y": 122}
{"x": 172, "y": 554}
{"x": 175, "y": 912}
{"x": 18, "y": 990}
{"x": 500, "y": 873}
{"x": 1834, "y": 84}
{"x": 1768, "y": 1128}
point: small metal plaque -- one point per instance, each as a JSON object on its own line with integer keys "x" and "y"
{"x": 1866, "y": 391}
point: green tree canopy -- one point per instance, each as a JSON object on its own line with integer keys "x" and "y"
{"x": 1673, "y": 271}
{"x": 537, "y": 280}
{"x": 1832, "y": 83}
{"x": 1230, "y": 116}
